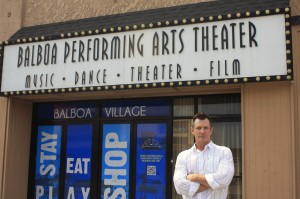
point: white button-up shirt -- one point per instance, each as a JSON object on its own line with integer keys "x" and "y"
{"x": 215, "y": 162}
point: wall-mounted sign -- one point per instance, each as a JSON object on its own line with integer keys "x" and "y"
{"x": 135, "y": 108}
{"x": 191, "y": 53}
{"x": 66, "y": 110}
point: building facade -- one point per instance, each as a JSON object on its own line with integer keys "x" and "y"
{"x": 97, "y": 96}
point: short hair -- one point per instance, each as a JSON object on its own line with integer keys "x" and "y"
{"x": 201, "y": 116}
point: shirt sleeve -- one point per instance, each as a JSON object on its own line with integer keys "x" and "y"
{"x": 182, "y": 185}
{"x": 224, "y": 173}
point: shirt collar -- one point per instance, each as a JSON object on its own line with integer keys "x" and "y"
{"x": 208, "y": 146}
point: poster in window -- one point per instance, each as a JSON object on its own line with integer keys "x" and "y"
{"x": 47, "y": 162}
{"x": 151, "y": 161}
{"x": 78, "y": 161}
{"x": 115, "y": 161}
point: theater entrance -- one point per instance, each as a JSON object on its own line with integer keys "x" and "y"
{"x": 108, "y": 149}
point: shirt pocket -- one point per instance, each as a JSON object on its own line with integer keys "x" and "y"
{"x": 211, "y": 164}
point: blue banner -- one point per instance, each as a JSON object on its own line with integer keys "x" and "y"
{"x": 151, "y": 161}
{"x": 135, "y": 108}
{"x": 48, "y": 162}
{"x": 78, "y": 161}
{"x": 66, "y": 110}
{"x": 115, "y": 161}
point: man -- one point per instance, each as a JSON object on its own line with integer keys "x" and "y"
{"x": 205, "y": 170}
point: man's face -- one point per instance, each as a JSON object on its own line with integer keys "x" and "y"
{"x": 202, "y": 131}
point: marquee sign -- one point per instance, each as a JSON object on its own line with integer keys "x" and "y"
{"x": 236, "y": 48}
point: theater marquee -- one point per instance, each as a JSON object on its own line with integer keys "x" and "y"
{"x": 240, "y": 48}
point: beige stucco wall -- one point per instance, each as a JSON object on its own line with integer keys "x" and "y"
{"x": 43, "y": 11}
{"x": 295, "y": 5}
{"x": 10, "y": 18}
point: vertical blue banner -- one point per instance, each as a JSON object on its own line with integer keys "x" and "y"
{"x": 48, "y": 162}
{"x": 78, "y": 161}
{"x": 151, "y": 161}
{"x": 115, "y": 161}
